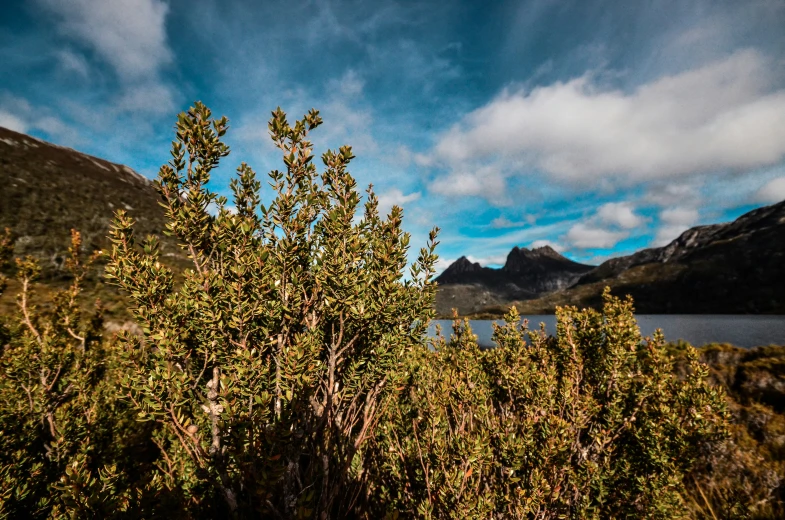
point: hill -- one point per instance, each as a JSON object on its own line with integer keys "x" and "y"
{"x": 47, "y": 190}
{"x": 736, "y": 267}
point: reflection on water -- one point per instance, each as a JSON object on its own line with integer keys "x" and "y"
{"x": 740, "y": 330}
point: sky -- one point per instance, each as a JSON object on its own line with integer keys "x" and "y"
{"x": 598, "y": 127}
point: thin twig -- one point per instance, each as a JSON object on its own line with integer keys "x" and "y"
{"x": 26, "y": 313}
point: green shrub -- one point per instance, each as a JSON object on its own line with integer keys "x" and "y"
{"x": 592, "y": 423}
{"x": 59, "y": 448}
{"x": 264, "y": 371}
{"x": 743, "y": 476}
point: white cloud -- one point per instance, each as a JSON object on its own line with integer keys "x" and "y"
{"x": 609, "y": 225}
{"x": 56, "y": 127}
{"x": 682, "y": 216}
{"x": 620, "y": 214}
{"x": 421, "y": 159}
{"x": 772, "y": 192}
{"x": 395, "y": 197}
{"x": 485, "y": 182}
{"x": 485, "y": 261}
{"x": 442, "y": 264}
{"x": 724, "y": 115}
{"x": 70, "y": 61}
{"x": 585, "y": 236}
{"x": 667, "y": 234}
{"x": 350, "y": 84}
{"x": 503, "y": 222}
{"x": 400, "y": 156}
{"x": 675, "y": 221}
{"x": 350, "y": 124}
{"x": 671, "y": 193}
{"x": 348, "y": 120}
{"x": 553, "y": 245}
{"x": 129, "y": 34}
{"x": 13, "y": 122}
{"x": 150, "y": 98}
{"x": 18, "y": 114}
{"x": 498, "y": 244}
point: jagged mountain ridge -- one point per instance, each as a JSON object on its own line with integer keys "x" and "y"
{"x": 526, "y": 274}
{"x": 731, "y": 268}
{"x": 692, "y": 241}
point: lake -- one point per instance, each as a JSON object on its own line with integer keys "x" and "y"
{"x": 741, "y": 330}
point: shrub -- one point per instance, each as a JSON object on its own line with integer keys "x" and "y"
{"x": 58, "y": 419}
{"x": 591, "y": 423}
{"x": 264, "y": 370}
{"x": 743, "y": 476}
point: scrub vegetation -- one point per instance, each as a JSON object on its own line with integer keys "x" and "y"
{"x": 286, "y": 373}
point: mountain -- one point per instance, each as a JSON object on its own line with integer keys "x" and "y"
{"x": 732, "y": 268}
{"x": 526, "y": 274}
{"x": 47, "y": 190}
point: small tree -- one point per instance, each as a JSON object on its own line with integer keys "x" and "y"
{"x": 266, "y": 368}
{"x": 591, "y": 423}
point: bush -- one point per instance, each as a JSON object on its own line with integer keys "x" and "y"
{"x": 60, "y": 441}
{"x": 592, "y": 423}
{"x": 264, "y": 371}
{"x": 743, "y": 476}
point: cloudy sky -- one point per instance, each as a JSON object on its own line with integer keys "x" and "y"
{"x": 596, "y": 126}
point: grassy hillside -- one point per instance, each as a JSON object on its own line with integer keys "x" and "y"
{"x": 47, "y": 190}
{"x": 745, "y": 477}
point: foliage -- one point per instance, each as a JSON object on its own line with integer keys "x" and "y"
{"x": 57, "y": 416}
{"x": 287, "y": 374}
{"x": 264, "y": 371}
{"x": 743, "y": 476}
{"x": 592, "y": 423}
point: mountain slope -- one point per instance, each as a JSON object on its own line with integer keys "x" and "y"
{"x": 732, "y": 268}
{"x": 526, "y": 274}
{"x": 46, "y": 190}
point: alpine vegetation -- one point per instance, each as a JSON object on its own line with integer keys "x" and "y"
{"x": 591, "y": 423}
{"x": 286, "y": 373}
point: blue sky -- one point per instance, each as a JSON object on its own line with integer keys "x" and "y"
{"x": 598, "y": 127}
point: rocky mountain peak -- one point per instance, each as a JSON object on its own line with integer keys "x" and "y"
{"x": 521, "y": 259}
{"x": 546, "y": 250}
{"x": 527, "y": 273}
{"x": 462, "y": 266}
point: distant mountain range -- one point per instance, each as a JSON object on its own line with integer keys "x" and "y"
{"x": 736, "y": 267}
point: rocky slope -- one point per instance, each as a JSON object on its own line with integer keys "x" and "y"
{"x": 46, "y": 190}
{"x": 526, "y": 274}
{"x": 731, "y": 268}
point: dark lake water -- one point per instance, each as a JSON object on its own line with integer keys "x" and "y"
{"x": 740, "y": 330}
